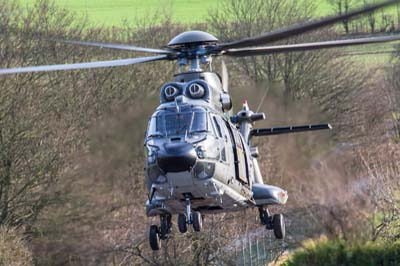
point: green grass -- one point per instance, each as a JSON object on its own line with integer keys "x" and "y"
{"x": 113, "y": 13}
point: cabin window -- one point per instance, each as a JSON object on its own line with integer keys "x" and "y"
{"x": 219, "y": 132}
{"x": 222, "y": 127}
{"x": 223, "y": 154}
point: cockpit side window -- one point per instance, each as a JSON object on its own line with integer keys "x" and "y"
{"x": 155, "y": 126}
{"x": 199, "y": 122}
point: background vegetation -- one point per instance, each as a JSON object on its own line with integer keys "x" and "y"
{"x": 332, "y": 253}
{"x": 71, "y": 171}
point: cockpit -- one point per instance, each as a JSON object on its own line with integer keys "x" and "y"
{"x": 170, "y": 123}
{"x": 181, "y": 138}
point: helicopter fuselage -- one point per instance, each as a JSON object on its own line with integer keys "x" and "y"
{"x": 195, "y": 152}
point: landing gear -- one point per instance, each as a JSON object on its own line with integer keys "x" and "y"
{"x": 154, "y": 237}
{"x": 279, "y": 226}
{"x": 190, "y": 218}
{"x": 182, "y": 225}
{"x": 156, "y": 234}
{"x": 265, "y": 218}
{"x": 165, "y": 227}
{"x": 197, "y": 221}
{"x": 275, "y": 222}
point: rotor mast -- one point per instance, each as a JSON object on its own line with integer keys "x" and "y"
{"x": 194, "y": 60}
{"x": 193, "y": 47}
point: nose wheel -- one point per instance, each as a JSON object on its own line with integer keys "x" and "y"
{"x": 189, "y": 218}
{"x": 275, "y": 222}
{"x": 182, "y": 223}
{"x": 197, "y": 221}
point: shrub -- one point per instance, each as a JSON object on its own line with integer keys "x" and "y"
{"x": 341, "y": 253}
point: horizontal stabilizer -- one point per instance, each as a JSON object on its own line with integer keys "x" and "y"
{"x": 287, "y": 130}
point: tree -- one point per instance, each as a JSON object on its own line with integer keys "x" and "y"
{"x": 342, "y": 7}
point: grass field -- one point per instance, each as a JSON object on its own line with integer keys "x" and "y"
{"x": 113, "y": 13}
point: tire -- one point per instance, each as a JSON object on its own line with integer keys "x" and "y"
{"x": 182, "y": 225}
{"x": 154, "y": 238}
{"x": 197, "y": 221}
{"x": 278, "y": 222}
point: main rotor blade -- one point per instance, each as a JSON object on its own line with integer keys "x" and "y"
{"x": 98, "y": 64}
{"x": 225, "y": 77}
{"x": 299, "y": 28}
{"x": 308, "y": 46}
{"x": 115, "y": 46}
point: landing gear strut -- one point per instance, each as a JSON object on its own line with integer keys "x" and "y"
{"x": 156, "y": 234}
{"x": 275, "y": 222}
{"x": 165, "y": 226}
{"x": 189, "y": 218}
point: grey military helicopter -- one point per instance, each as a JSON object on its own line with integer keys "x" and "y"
{"x": 200, "y": 158}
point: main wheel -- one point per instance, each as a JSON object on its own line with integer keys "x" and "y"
{"x": 197, "y": 221}
{"x": 154, "y": 237}
{"x": 279, "y": 226}
{"x": 182, "y": 225}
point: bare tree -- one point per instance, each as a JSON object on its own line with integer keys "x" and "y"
{"x": 342, "y": 7}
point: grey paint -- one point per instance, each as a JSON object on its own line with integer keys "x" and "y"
{"x": 191, "y": 37}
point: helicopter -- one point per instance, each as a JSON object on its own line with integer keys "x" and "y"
{"x": 199, "y": 156}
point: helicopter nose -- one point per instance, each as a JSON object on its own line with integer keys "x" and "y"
{"x": 176, "y": 157}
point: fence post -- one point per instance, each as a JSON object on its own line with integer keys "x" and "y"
{"x": 250, "y": 250}
{"x": 258, "y": 255}
{"x": 243, "y": 252}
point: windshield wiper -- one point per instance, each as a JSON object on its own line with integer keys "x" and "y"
{"x": 155, "y": 136}
{"x": 200, "y": 131}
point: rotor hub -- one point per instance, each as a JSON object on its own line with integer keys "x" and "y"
{"x": 195, "y": 37}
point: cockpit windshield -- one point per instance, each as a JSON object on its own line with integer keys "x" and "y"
{"x": 167, "y": 123}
